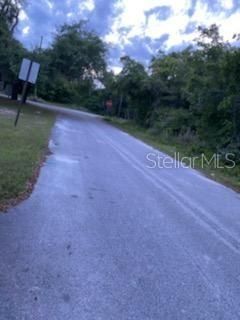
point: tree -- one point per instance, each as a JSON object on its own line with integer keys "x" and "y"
{"x": 11, "y": 51}
{"x": 69, "y": 68}
{"x": 168, "y": 77}
{"x": 9, "y": 12}
{"x": 77, "y": 53}
{"x": 133, "y": 83}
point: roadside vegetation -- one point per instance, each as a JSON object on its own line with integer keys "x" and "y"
{"x": 22, "y": 149}
{"x": 187, "y": 101}
{"x": 176, "y": 148}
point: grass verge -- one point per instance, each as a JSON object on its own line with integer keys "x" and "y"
{"x": 228, "y": 177}
{"x": 22, "y": 150}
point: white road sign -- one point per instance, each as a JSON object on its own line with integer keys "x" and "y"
{"x": 34, "y": 73}
{"x": 24, "y": 69}
{"x": 29, "y": 71}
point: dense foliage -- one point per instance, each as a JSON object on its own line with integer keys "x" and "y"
{"x": 191, "y": 96}
{"x": 11, "y": 51}
{"x": 9, "y": 12}
{"x": 70, "y": 66}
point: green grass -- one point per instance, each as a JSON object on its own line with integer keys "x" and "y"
{"x": 22, "y": 149}
{"x": 229, "y": 177}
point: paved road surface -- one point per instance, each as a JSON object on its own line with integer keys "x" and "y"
{"x": 105, "y": 237}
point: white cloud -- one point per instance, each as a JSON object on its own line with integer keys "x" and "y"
{"x": 133, "y": 16}
{"x": 227, "y": 24}
{"x": 23, "y": 16}
{"x": 88, "y": 5}
{"x": 26, "y": 30}
{"x": 50, "y": 4}
{"x": 228, "y": 27}
{"x": 116, "y": 69}
{"x": 227, "y": 4}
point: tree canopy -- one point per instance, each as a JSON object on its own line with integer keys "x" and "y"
{"x": 9, "y": 12}
{"x": 70, "y": 66}
{"x": 11, "y": 50}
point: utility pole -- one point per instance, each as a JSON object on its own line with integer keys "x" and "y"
{"x": 39, "y": 50}
{"x": 41, "y": 43}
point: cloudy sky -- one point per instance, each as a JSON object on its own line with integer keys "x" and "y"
{"x": 138, "y": 28}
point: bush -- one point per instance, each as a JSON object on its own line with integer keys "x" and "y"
{"x": 169, "y": 122}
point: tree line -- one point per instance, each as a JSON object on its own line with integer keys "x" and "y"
{"x": 191, "y": 96}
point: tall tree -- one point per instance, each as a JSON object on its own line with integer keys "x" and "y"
{"x": 69, "y": 68}
{"x": 78, "y": 53}
{"x": 11, "y": 51}
{"x": 9, "y": 12}
{"x": 133, "y": 84}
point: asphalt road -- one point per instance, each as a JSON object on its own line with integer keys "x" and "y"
{"x": 105, "y": 237}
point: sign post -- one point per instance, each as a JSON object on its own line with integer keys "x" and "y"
{"x": 28, "y": 73}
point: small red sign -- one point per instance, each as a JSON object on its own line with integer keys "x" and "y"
{"x": 109, "y": 104}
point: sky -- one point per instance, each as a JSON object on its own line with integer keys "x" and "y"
{"x": 139, "y": 28}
